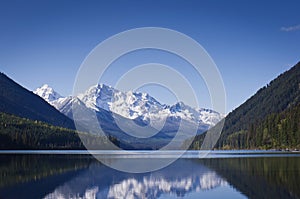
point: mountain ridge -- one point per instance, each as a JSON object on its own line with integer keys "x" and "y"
{"x": 131, "y": 105}
{"x": 257, "y": 123}
{"x": 137, "y": 120}
{"x": 16, "y": 100}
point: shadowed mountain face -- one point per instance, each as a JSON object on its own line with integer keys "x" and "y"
{"x": 16, "y": 100}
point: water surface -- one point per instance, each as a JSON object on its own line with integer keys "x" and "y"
{"x": 221, "y": 174}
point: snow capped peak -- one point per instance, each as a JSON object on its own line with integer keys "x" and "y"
{"x": 98, "y": 96}
{"x": 130, "y": 104}
{"x": 177, "y": 107}
{"x": 47, "y": 93}
{"x": 45, "y": 86}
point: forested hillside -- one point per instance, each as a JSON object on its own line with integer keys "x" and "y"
{"x": 269, "y": 119}
{"x": 21, "y": 133}
{"x": 277, "y": 131}
{"x": 16, "y": 100}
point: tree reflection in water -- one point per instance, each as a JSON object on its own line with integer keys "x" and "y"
{"x": 80, "y": 176}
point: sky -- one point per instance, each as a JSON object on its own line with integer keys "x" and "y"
{"x": 251, "y": 42}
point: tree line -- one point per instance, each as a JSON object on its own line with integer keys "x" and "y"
{"x": 22, "y": 133}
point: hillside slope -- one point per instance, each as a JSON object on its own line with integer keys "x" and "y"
{"x": 250, "y": 125}
{"x": 16, "y": 100}
{"x": 22, "y": 133}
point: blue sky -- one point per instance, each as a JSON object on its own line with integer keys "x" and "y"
{"x": 251, "y": 42}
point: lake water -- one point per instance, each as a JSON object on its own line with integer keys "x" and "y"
{"x": 219, "y": 174}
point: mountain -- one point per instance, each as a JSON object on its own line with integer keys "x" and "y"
{"x": 134, "y": 118}
{"x": 16, "y": 100}
{"x": 269, "y": 119}
{"x": 47, "y": 93}
{"x": 124, "y": 107}
{"x": 130, "y": 105}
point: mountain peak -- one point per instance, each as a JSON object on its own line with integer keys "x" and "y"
{"x": 45, "y": 86}
{"x": 47, "y": 93}
{"x": 130, "y": 105}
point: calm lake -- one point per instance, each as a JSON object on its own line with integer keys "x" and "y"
{"x": 220, "y": 174}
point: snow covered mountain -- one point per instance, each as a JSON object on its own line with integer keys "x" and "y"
{"x": 130, "y": 115}
{"x": 47, "y": 93}
{"x": 130, "y": 105}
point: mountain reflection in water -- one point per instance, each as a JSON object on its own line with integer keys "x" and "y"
{"x": 180, "y": 178}
{"x": 80, "y": 176}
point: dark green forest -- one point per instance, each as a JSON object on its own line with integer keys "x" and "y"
{"x": 21, "y": 133}
{"x": 269, "y": 119}
{"x": 276, "y": 131}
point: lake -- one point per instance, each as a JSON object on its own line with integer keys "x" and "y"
{"x": 219, "y": 174}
